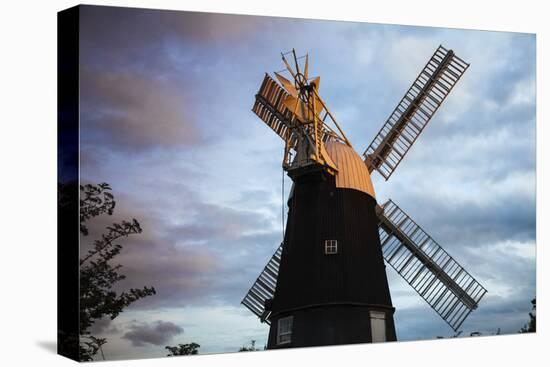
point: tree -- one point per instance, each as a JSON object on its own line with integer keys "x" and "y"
{"x": 531, "y": 327}
{"x": 183, "y": 349}
{"x": 455, "y": 335}
{"x": 250, "y": 348}
{"x": 97, "y": 273}
{"x": 472, "y": 334}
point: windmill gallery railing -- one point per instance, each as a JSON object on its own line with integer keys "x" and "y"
{"x": 443, "y": 283}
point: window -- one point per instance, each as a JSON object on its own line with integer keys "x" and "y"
{"x": 331, "y": 247}
{"x": 378, "y": 326}
{"x": 284, "y": 330}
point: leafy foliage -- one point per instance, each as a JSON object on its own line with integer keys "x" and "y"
{"x": 183, "y": 349}
{"x": 97, "y": 273}
{"x": 472, "y": 334}
{"x": 250, "y": 348}
{"x": 531, "y": 327}
{"x": 94, "y": 200}
{"x": 89, "y": 346}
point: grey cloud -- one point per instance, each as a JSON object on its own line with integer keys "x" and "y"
{"x": 138, "y": 38}
{"x": 157, "y": 333}
{"x": 210, "y": 260}
{"x": 133, "y": 112}
{"x": 217, "y": 222}
{"x": 468, "y": 224}
{"x": 179, "y": 274}
{"x": 130, "y": 26}
{"x": 104, "y": 326}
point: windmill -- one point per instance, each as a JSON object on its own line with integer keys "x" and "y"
{"x": 326, "y": 283}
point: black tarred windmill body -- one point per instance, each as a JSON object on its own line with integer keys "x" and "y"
{"x": 326, "y": 284}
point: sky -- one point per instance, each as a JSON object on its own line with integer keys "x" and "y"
{"x": 166, "y": 120}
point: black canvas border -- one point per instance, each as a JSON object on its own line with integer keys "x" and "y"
{"x": 68, "y": 182}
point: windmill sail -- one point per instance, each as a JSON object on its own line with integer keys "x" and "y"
{"x": 296, "y": 119}
{"x": 263, "y": 288}
{"x": 449, "y": 289}
{"x": 269, "y": 106}
{"x": 414, "y": 111}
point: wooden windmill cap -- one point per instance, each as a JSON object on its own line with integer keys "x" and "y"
{"x": 352, "y": 171}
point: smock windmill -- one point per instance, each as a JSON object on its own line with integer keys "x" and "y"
{"x": 326, "y": 283}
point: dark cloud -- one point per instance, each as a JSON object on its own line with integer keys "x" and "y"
{"x": 157, "y": 333}
{"x": 104, "y": 326}
{"x": 495, "y": 314}
{"x": 469, "y": 224}
{"x": 138, "y": 38}
{"x": 147, "y": 81}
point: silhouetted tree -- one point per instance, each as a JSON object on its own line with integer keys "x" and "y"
{"x": 531, "y": 327}
{"x": 249, "y": 348}
{"x": 455, "y": 335}
{"x": 97, "y": 273}
{"x": 473, "y": 333}
{"x": 183, "y": 349}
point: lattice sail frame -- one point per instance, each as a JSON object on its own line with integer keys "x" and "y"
{"x": 263, "y": 288}
{"x": 269, "y": 107}
{"x": 434, "y": 274}
{"x": 414, "y": 111}
{"x": 299, "y": 116}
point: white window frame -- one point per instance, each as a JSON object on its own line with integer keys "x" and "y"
{"x": 284, "y": 335}
{"x": 331, "y": 247}
{"x": 378, "y": 326}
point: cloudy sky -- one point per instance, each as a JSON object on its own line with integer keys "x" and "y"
{"x": 166, "y": 120}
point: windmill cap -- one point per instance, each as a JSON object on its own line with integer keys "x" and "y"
{"x": 352, "y": 171}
